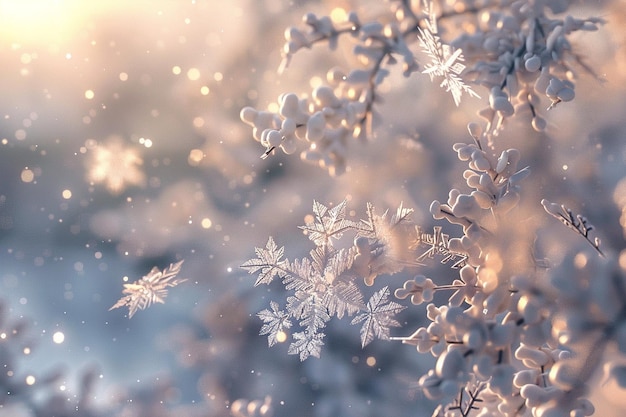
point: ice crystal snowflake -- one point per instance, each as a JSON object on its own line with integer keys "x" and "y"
{"x": 151, "y": 288}
{"x": 445, "y": 62}
{"x": 324, "y": 284}
{"x": 115, "y": 165}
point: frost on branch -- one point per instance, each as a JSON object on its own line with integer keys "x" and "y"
{"x": 519, "y": 52}
{"x": 577, "y": 223}
{"x": 151, "y": 288}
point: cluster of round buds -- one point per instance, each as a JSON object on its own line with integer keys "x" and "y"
{"x": 495, "y": 190}
{"x": 530, "y": 57}
{"x": 465, "y": 344}
{"x": 559, "y": 91}
{"x": 375, "y": 41}
{"x": 420, "y": 289}
{"x": 326, "y": 121}
{"x": 342, "y": 109}
{"x": 318, "y": 29}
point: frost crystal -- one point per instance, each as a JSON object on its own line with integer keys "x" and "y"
{"x": 445, "y": 62}
{"x": 323, "y": 285}
{"x": 151, "y": 288}
{"x": 378, "y": 318}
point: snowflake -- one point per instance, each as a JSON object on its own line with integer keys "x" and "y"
{"x": 115, "y": 165}
{"x": 151, "y": 288}
{"x": 268, "y": 263}
{"x": 275, "y": 323}
{"x": 378, "y": 317}
{"x": 328, "y": 223}
{"x": 323, "y": 285}
{"x": 445, "y": 62}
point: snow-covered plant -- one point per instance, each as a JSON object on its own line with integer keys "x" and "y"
{"x": 519, "y": 51}
{"x": 515, "y": 336}
{"x": 506, "y": 340}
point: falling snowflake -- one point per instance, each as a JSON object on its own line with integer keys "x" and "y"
{"x": 115, "y": 165}
{"x": 151, "y": 288}
{"x": 445, "y": 62}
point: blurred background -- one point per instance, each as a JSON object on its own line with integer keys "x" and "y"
{"x": 121, "y": 149}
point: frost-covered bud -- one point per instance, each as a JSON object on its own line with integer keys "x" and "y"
{"x": 503, "y": 161}
{"x": 526, "y": 376}
{"x": 501, "y": 381}
{"x": 465, "y": 206}
{"x": 435, "y": 210}
{"x": 531, "y": 357}
{"x": 463, "y": 150}
{"x": 354, "y": 19}
{"x": 530, "y": 307}
{"x": 563, "y": 376}
{"x": 502, "y": 335}
{"x": 552, "y": 38}
{"x": 536, "y": 396}
{"x": 566, "y": 94}
{"x": 509, "y": 23}
{"x": 559, "y": 90}
{"x": 482, "y": 199}
{"x": 475, "y": 338}
{"x": 288, "y": 145}
{"x": 503, "y": 106}
{"x": 543, "y": 81}
{"x": 362, "y": 244}
{"x": 451, "y": 365}
{"x": 496, "y": 302}
{"x": 533, "y": 64}
{"x": 475, "y": 130}
{"x": 533, "y": 335}
{"x": 421, "y": 339}
{"x": 472, "y": 178}
{"x": 272, "y": 138}
{"x": 539, "y": 123}
{"x": 315, "y": 127}
{"x": 324, "y": 96}
{"x": 310, "y": 19}
{"x": 248, "y": 115}
{"x": 420, "y": 289}
{"x": 289, "y": 105}
{"x": 583, "y": 408}
{"x": 371, "y": 29}
{"x": 479, "y": 161}
{"x": 295, "y": 36}
{"x": 483, "y": 366}
{"x": 361, "y": 264}
{"x": 457, "y": 318}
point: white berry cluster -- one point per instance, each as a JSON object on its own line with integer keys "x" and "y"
{"x": 506, "y": 338}
{"x": 519, "y": 51}
{"x": 495, "y": 191}
{"x": 522, "y": 53}
{"x": 341, "y": 110}
{"x": 326, "y": 122}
